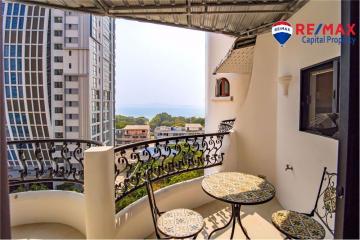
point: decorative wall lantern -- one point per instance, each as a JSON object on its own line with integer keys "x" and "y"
{"x": 285, "y": 81}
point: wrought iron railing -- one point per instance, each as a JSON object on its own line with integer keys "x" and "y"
{"x": 226, "y": 125}
{"x": 162, "y": 158}
{"x": 47, "y": 160}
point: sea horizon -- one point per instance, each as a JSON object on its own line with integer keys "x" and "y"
{"x": 150, "y": 112}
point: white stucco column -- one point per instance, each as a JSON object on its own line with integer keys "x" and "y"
{"x": 99, "y": 192}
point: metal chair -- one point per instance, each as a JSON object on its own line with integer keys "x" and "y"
{"x": 177, "y": 223}
{"x": 304, "y": 226}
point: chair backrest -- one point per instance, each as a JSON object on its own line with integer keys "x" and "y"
{"x": 326, "y": 199}
{"x": 153, "y": 208}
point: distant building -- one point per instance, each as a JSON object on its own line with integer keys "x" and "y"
{"x": 194, "y": 128}
{"x": 132, "y": 133}
{"x": 58, "y": 75}
{"x": 189, "y": 129}
{"x": 164, "y": 131}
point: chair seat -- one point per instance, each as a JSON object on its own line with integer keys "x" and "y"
{"x": 180, "y": 223}
{"x": 297, "y": 225}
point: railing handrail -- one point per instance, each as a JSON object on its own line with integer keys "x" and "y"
{"x": 147, "y": 142}
{"x": 53, "y": 140}
{"x": 53, "y": 164}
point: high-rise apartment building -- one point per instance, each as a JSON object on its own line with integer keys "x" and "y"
{"x": 58, "y": 73}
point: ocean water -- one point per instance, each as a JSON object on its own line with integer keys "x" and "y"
{"x": 150, "y": 112}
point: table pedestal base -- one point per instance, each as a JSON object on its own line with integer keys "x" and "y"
{"x": 235, "y": 215}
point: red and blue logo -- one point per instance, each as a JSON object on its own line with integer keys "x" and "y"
{"x": 282, "y": 31}
{"x": 311, "y": 33}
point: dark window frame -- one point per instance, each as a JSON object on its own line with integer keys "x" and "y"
{"x": 220, "y": 90}
{"x": 305, "y": 86}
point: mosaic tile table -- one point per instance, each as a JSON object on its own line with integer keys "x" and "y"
{"x": 237, "y": 189}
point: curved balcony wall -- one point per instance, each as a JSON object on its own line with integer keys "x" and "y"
{"x": 49, "y": 206}
{"x": 93, "y": 213}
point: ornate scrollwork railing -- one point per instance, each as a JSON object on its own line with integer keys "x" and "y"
{"x": 162, "y": 158}
{"x": 226, "y": 125}
{"x": 47, "y": 160}
{"x": 325, "y": 207}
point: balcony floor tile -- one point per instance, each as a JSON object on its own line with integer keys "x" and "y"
{"x": 256, "y": 219}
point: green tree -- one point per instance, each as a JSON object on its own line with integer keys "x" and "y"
{"x": 165, "y": 119}
{"x": 121, "y": 121}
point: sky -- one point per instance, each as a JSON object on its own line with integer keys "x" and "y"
{"x": 159, "y": 66}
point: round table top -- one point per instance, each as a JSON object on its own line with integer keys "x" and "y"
{"x": 238, "y": 188}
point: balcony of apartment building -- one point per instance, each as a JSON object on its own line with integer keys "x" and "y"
{"x": 132, "y": 133}
{"x": 259, "y": 121}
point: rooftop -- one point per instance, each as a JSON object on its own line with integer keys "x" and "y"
{"x": 137, "y": 127}
{"x": 193, "y": 125}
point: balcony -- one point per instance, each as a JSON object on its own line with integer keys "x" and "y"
{"x": 68, "y": 188}
{"x": 41, "y": 207}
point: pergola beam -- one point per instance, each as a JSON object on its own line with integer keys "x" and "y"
{"x": 204, "y": 29}
{"x": 198, "y": 12}
{"x": 214, "y": 4}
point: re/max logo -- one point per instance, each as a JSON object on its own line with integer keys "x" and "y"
{"x": 325, "y": 29}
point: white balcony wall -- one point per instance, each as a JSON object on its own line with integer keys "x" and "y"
{"x": 72, "y": 19}
{"x": 72, "y": 84}
{"x": 74, "y": 110}
{"x": 267, "y": 122}
{"x": 72, "y": 122}
{"x": 72, "y": 33}
{"x": 72, "y": 135}
{"x": 72, "y": 97}
{"x": 79, "y": 61}
{"x": 307, "y": 153}
{"x": 48, "y": 207}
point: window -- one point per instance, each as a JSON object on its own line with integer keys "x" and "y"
{"x": 58, "y": 97}
{"x": 58, "y": 19}
{"x": 58, "y": 46}
{"x": 58, "y": 33}
{"x": 71, "y": 26}
{"x": 71, "y": 91}
{"x": 58, "y": 59}
{"x": 71, "y": 40}
{"x": 319, "y": 110}
{"x": 59, "y": 135}
{"x": 70, "y": 66}
{"x": 58, "y": 110}
{"x": 58, "y": 84}
{"x": 71, "y": 78}
{"x": 58, "y": 71}
{"x": 21, "y": 23}
{"x": 72, "y": 116}
{"x": 71, "y": 128}
{"x": 72, "y": 103}
{"x": 58, "y": 122}
{"x": 222, "y": 88}
{"x": 70, "y": 53}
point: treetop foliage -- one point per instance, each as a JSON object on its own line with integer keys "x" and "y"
{"x": 161, "y": 119}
